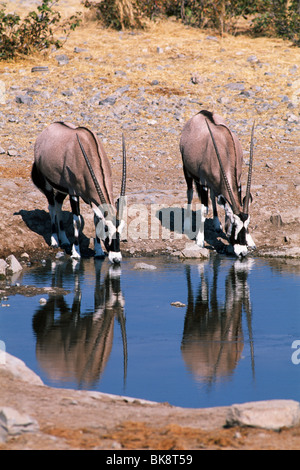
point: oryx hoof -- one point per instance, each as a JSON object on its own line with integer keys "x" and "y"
{"x": 54, "y": 241}
{"x": 75, "y": 252}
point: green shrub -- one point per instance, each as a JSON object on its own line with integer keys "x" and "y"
{"x": 271, "y": 17}
{"x": 33, "y": 33}
{"x": 279, "y": 18}
{"x": 118, "y": 14}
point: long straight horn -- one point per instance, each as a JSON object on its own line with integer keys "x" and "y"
{"x": 234, "y": 206}
{"x": 124, "y": 167}
{"x": 247, "y": 197}
{"x": 96, "y": 183}
{"x": 121, "y": 201}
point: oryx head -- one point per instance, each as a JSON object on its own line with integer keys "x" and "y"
{"x": 237, "y": 214}
{"x": 108, "y": 219}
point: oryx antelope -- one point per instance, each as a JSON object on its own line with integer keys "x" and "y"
{"x": 212, "y": 158}
{"x": 70, "y": 160}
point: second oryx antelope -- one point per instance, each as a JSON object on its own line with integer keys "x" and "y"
{"x": 70, "y": 160}
{"x": 212, "y": 157}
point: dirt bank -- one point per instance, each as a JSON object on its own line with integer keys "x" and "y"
{"x": 70, "y": 419}
{"x": 146, "y": 77}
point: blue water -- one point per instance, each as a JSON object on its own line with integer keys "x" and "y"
{"x": 117, "y": 332}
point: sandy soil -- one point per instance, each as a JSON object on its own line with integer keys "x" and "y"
{"x": 243, "y": 79}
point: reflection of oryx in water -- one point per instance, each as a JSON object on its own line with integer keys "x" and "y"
{"x": 213, "y": 340}
{"x": 72, "y": 344}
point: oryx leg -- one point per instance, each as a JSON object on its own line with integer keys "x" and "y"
{"x": 58, "y": 202}
{"x": 99, "y": 231}
{"x": 99, "y": 228}
{"x": 216, "y": 221}
{"x": 202, "y": 191}
{"x": 189, "y": 193}
{"x": 40, "y": 182}
{"x": 74, "y": 200}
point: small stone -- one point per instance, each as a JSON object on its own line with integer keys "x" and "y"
{"x": 211, "y": 38}
{"x": 24, "y": 99}
{"x": 192, "y": 250}
{"x": 43, "y": 301}
{"x": 109, "y": 101}
{"x": 120, "y": 73}
{"x": 13, "y": 264}
{"x": 77, "y": 50}
{"x": 236, "y": 86}
{"x": 67, "y": 93}
{"x": 62, "y": 59}
{"x": 12, "y": 153}
{"x": 292, "y": 118}
{"x": 252, "y": 58}
{"x": 177, "y": 304}
{"x": 15, "y": 423}
{"x": 40, "y": 68}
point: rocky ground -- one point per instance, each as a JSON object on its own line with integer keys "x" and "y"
{"x": 146, "y": 84}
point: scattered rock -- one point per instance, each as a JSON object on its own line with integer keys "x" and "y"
{"x": 15, "y": 423}
{"x": 13, "y": 265}
{"x": 273, "y": 414}
{"x": 145, "y": 266}
{"x": 3, "y": 266}
{"x": 109, "y": 101}
{"x": 40, "y": 68}
{"x": 177, "y": 304}
{"x": 196, "y": 79}
{"x": 292, "y": 118}
{"x": 24, "y": 99}
{"x": 192, "y": 250}
{"x": 236, "y": 86}
{"x": 77, "y": 50}
{"x": 212, "y": 38}
{"x": 120, "y": 73}
{"x": 252, "y": 59}
{"x": 62, "y": 59}
{"x": 12, "y": 153}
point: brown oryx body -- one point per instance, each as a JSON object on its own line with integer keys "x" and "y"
{"x": 212, "y": 158}
{"x": 70, "y": 160}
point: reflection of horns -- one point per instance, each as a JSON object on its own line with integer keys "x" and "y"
{"x": 234, "y": 206}
{"x": 124, "y": 340}
{"x": 247, "y": 197}
{"x": 96, "y": 183}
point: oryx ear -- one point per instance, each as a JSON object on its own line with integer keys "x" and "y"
{"x": 221, "y": 201}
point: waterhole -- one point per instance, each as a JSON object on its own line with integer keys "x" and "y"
{"x": 194, "y": 334}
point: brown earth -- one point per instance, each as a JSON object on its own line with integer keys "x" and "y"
{"x": 243, "y": 79}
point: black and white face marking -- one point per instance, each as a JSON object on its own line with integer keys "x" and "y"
{"x": 236, "y": 228}
{"x": 110, "y": 233}
{"x": 239, "y": 232}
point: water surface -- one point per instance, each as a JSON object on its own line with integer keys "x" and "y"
{"x": 116, "y": 331}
